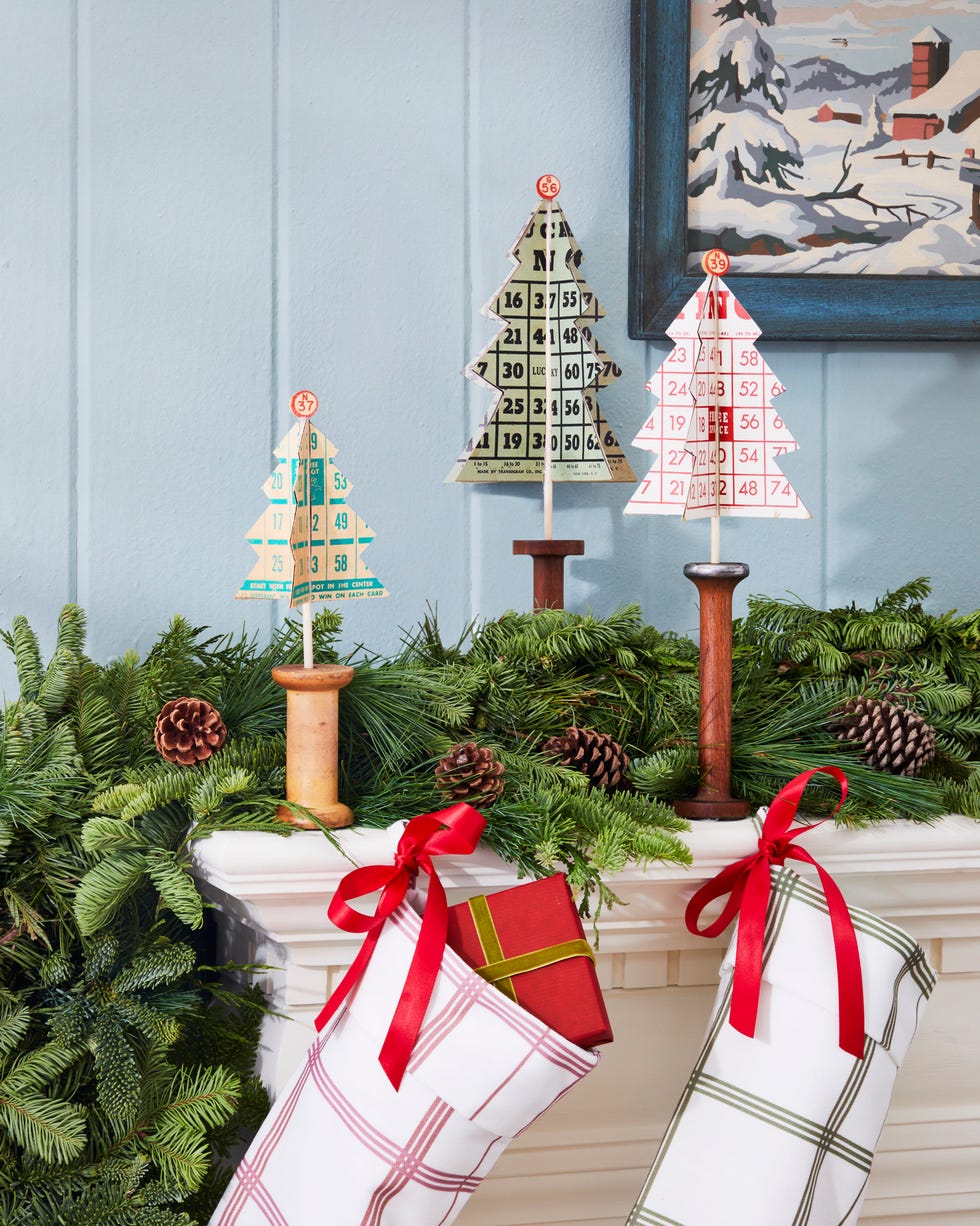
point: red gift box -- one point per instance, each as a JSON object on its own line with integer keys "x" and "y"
{"x": 528, "y": 941}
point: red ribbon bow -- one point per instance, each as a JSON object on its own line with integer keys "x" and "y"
{"x": 748, "y": 884}
{"x": 448, "y": 832}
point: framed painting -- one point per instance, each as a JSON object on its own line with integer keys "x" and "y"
{"x": 832, "y": 153}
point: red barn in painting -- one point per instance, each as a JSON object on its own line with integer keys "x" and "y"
{"x": 942, "y": 97}
{"x": 930, "y": 59}
{"x": 838, "y": 110}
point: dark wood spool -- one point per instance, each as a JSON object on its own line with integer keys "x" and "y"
{"x": 549, "y": 569}
{"x": 715, "y": 582}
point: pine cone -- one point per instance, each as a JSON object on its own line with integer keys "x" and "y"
{"x": 470, "y": 772}
{"x": 189, "y": 730}
{"x": 895, "y": 739}
{"x": 593, "y": 753}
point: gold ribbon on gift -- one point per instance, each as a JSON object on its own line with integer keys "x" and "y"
{"x": 500, "y": 970}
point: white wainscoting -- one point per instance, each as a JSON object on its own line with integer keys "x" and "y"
{"x": 585, "y": 1160}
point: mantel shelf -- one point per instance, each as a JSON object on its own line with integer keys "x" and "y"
{"x": 591, "y": 1151}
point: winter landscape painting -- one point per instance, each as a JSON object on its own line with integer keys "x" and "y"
{"x": 832, "y": 152}
{"x": 835, "y": 141}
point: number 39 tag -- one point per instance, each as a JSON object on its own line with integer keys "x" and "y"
{"x": 715, "y": 262}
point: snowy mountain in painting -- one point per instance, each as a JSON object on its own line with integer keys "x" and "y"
{"x": 813, "y": 79}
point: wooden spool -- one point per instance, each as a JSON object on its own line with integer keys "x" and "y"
{"x": 715, "y": 582}
{"x": 312, "y": 709}
{"x": 549, "y": 569}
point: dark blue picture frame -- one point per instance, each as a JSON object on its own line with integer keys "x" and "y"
{"x": 785, "y": 306}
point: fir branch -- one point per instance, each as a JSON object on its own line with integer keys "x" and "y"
{"x": 22, "y": 642}
{"x": 105, "y": 887}
{"x": 666, "y": 773}
{"x": 15, "y": 1020}
{"x": 109, "y": 834}
{"x": 159, "y": 961}
{"x": 117, "y": 1072}
{"x": 46, "y": 1127}
{"x": 199, "y": 1101}
{"x": 181, "y": 1158}
{"x": 176, "y": 887}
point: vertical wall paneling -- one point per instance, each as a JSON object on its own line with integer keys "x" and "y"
{"x": 176, "y": 217}
{"x": 467, "y": 405}
{"x": 373, "y": 188}
{"x": 278, "y": 242}
{"x": 36, "y": 384}
{"x": 902, "y": 440}
{"x": 205, "y": 207}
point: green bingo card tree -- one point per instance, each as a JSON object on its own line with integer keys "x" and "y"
{"x": 545, "y": 369}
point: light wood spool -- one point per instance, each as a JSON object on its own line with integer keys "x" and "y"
{"x": 312, "y": 708}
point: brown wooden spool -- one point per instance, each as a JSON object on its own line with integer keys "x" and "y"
{"x": 312, "y": 710}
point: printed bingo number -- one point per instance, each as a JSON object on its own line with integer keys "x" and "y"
{"x": 736, "y": 458}
{"x": 328, "y": 535}
{"x": 542, "y": 304}
{"x": 715, "y": 262}
{"x": 303, "y": 404}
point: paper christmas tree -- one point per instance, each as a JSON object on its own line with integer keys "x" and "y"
{"x": 717, "y": 440}
{"x": 308, "y": 540}
{"x": 272, "y": 575}
{"x": 544, "y": 350}
{"x": 715, "y": 434}
{"x": 327, "y": 536}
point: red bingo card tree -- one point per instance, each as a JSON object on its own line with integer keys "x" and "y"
{"x": 717, "y": 441}
{"x": 545, "y": 369}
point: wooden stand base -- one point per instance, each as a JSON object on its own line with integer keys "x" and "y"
{"x": 549, "y": 569}
{"x": 715, "y": 582}
{"x": 312, "y": 707}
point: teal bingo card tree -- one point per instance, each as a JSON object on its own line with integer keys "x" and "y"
{"x": 308, "y": 540}
{"x": 309, "y": 544}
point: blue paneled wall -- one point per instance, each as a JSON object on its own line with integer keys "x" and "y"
{"x": 206, "y": 206}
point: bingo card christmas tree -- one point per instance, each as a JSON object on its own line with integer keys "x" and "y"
{"x": 716, "y": 436}
{"x": 545, "y": 370}
{"x": 308, "y": 540}
{"x": 717, "y": 441}
{"x": 309, "y": 543}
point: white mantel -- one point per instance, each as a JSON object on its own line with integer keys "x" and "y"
{"x": 584, "y": 1161}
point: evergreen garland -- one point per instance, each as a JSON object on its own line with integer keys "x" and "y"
{"x": 109, "y": 1112}
{"x": 126, "y": 1061}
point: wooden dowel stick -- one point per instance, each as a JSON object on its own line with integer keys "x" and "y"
{"x": 307, "y": 611}
{"x": 546, "y": 477}
{"x": 716, "y": 399}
